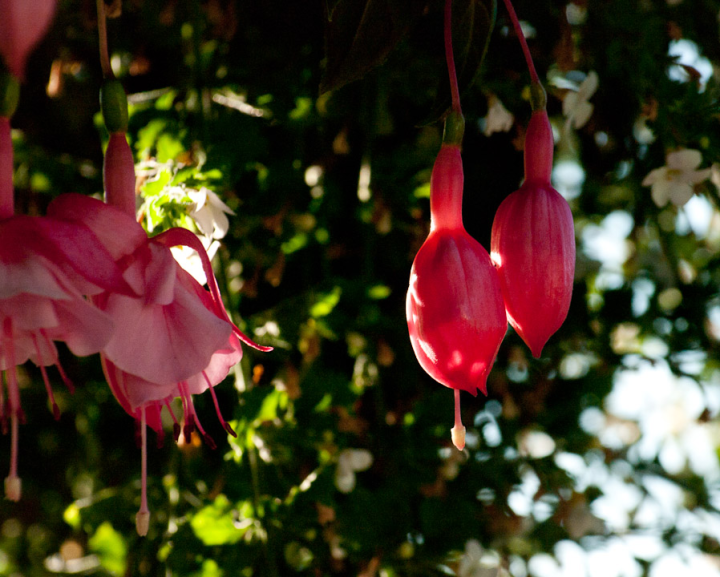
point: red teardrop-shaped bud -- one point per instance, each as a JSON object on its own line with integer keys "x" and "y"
{"x": 454, "y": 306}
{"x": 22, "y": 24}
{"x": 119, "y": 174}
{"x": 533, "y": 245}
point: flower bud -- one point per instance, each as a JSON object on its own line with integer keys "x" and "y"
{"x": 454, "y": 306}
{"x": 114, "y": 107}
{"x": 533, "y": 245}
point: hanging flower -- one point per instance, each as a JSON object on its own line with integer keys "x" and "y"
{"x": 675, "y": 181}
{"x": 455, "y": 313}
{"x": 576, "y": 107}
{"x": 22, "y": 25}
{"x": 46, "y": 268}
{"x": 498, "y": 118}
{"x": 533, "y": 245}
{"x": 209, "y": 212}
{"x": 188, "y": 343}
{"x": 351, "y": 461}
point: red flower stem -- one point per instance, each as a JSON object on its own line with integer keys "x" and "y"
{"x": 454, "y": 89}
{"x": 7, "y": 206}
{"x": 523, "y": 43}
{"x": 102, "y": 34}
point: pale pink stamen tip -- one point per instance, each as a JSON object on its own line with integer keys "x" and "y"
{"x": 142, "y": 522}
{"x": 13, "y": 488}
{"x": 458, "y": 437}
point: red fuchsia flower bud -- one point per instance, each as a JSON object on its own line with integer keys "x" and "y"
{"x": 533, "y": 244}
{"x": 188, "y": 343}
{"x": 22, "y": 24}
{"x": 119, "y": 173}
{"x": 454, "y": 306}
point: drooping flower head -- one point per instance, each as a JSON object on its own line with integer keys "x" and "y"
{"x": 47, "y": 267}
{"x": 174, "y": 340}
{"x": 533, "y": 244}
{"x": 454, "y": 306}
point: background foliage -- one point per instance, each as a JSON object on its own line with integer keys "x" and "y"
{"x": 600, "y": 458}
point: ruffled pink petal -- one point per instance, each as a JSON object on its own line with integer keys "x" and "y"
{"x": 124, "y": 387}
{"x": 70, "y": 245}
{"x": 84, "y": 328}
{"x": 30, "y": 312}
{"x": 220, "y": 364}
{"x": 119, "y": 233}
{"x": 22, "y": 25}
{"x": 160, "y": 275}
{"x": 164, "y": 344}
{"x": 31, "y": 275}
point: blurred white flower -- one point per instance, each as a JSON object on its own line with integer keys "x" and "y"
{"x": 498, "y": 118}
{"x": 188, "y": 259}
{"x": 349, "y": 462}
{"x": 674, "y": 182}
{"x": 476, "y": 562}
{"x": 209, "y": 212}
{"x": 576, "y": 107}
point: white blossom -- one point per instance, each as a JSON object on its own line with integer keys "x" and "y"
{"x": 498, "y": 118}
{"x": 188, "y": 259}
{"x": 349, "y": 462}
{"x": 576, "y": 107}
{"x": 674, "y": 182}
{"x": 209, "y": 212}
{"x": 476, "y": 562}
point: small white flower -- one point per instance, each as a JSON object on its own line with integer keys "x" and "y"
{"x": 476, "y": 562}
{"x": 576, "y": 107}
{"x": 498, "y": 118}
{"x": 674, "y": 182}
{"x": 188, "y": 259}
{"x": 209, "y": 212}
{"x": 349, "y": 462}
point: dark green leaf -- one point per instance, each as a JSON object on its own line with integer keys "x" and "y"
{"x": 472, "y": 24}
{"x": 360, "y": 34}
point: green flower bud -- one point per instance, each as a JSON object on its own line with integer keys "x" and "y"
{"x": 9, "y": 94}
{"x": 113, "y": 104}
{"x": 454, "y": 129}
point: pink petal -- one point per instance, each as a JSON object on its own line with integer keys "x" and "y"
{"x": 164, "y": 344}
{"x": 84, "y": 328}
{"x": 118, "y": 232}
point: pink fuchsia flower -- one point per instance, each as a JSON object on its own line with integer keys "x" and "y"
{"x": 22, "y": 25}
{"x": 46, "y": 266}
{"x": 188, "y": 343}
{"x": 675, "y": 181}
{"x": 455, "y": 313}
{"x": 533, "y": 245}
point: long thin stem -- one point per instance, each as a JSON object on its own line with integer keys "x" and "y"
{"x": 102, "y": 35}
{"x": 142, "y": 519}
{"x": 454, "y": 89}
{"x": 523, "y": 43}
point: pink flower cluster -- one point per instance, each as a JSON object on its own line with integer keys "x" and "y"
{"x": 87, "y": 274}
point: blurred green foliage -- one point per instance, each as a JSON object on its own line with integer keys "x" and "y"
{"x": 330, "y": 194}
